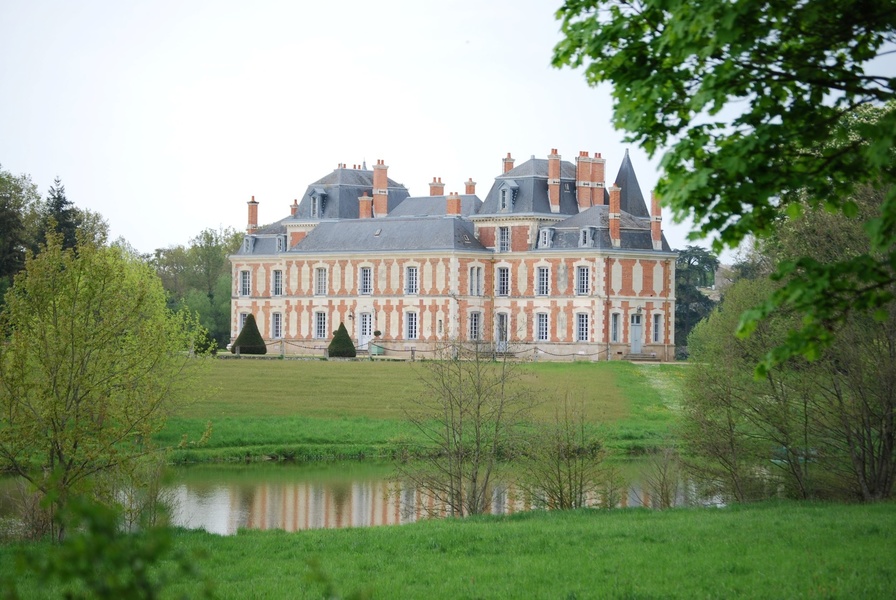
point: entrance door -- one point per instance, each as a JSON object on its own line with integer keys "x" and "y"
{"x": 635, "y": 333}
{"x": 365, "y": 330}
{"x": 501, "y": 333}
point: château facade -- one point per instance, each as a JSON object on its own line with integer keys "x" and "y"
{"x": 551, "y": 264}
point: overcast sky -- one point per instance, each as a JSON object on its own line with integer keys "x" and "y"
{"x": 167, "y": 116}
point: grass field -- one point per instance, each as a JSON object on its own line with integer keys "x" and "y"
{"x": 775, "y": 550}
{"x": 324, "y": 409}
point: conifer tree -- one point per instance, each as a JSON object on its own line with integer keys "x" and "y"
{"x": 342, "y": 345}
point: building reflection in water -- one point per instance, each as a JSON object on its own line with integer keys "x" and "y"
{"x": 225, "y": 508}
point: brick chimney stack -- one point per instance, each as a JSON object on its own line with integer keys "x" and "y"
{"x": 380, "y": 189}
{"x": 453, "y": 204}
{"x": 615, "y": 201}
{"x": 656, "y": 222}
{"x": 597, "y": 179}
{"x": 365, "y": 206}
{"x": 294, "y": 208}
{"x": 436, "y": 188}
{"x": 583, "y": 181}
{"x": 252, "y": 226}
{"x": 554, "y": 180}
{"x": 508, "y": 163}
{"x": 470, "y": 187}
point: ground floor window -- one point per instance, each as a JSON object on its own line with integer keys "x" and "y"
{"x": 410, "y": 326}
{"x": 582, "y": 326}
{"x": 657, "y": 325}
{"x": 614, "y": 327}
{"x": 320, "y": 325}
{"x": 276, "y": 325}
{"x": 541, "y": 327}
{"x": 475, "y": 326}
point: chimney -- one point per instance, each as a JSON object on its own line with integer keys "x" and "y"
{"x": 554, "y": 180}
{"x": 252, "y": 226}
{"x": 508, "y": 163}
{"x": 294, "y": 208}
{"x": 583, "y": 181}
{"x": 615, "y": 238}
{"x": 436, "y": 188}
{"x": 656, "y": 222}
{"x": 380, "y": 189}
{"x": 597, "y": 179}
{"x": 365, "y": 207}
{"x": 453, "y": 204}
{"x": 470, "y": 187}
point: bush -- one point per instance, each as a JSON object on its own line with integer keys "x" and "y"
{"x": 342, "y": 345}
{"x": 249, "y": 341}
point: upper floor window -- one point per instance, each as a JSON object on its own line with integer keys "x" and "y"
{"x": 541, "y": 327}
{"x": 502, "y": 281}
{"x": 504, "y": 201}
{"x": 583, "y": 284}
{"x": 410, "y": 326}
{"x": 545, "y": 237}
{"x": 320, "y": 325}
{"x": 245, "y": 283}
{"x": 582, "y": 327}
{"x": 586, "y": 237}
{"x": 365, "y": 281}
{"x": 280, "y": 243}
{"x": 276, "y": 325}
{"x": 475, "y": 326}
{"x": 320, "y": 281}
{"x": 542, "y": 281}
{"x": 475, "y": 281}
{"x": 503, "y": 239}
{"x": 317, "y": 203}
{"x": 277, "y": 283}
{"x": 411, "y": 282}
{"x": 657, "y": 325}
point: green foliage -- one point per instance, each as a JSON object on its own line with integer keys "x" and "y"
{"x": 93, "y": 364}
{"x": 249, "y": 341}
{"x": 758, "y": 105}
{"x": 695, "y": 268}
{"x": 341, "y": 345}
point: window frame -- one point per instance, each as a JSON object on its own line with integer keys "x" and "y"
{"x": 583, "y": 327}
{"x": 615, "y": 333}
{"x": 411, "y": 325}
{"x": 657, "y": 326}
{"x": 245, "y": 282}
{"x": 542, "y": 327}
{"x": 320, "y": 281}
{"x": 277, "y": 282}
{"x": 411, "y": 282}
{"x": 542, "y": 281}
{"x": 474, "y": 326}
{"x": 475, "y": 280}
{"x": 276, "y": 325}
{"x": 502, "y": 281}
{"x": 320, "y": 325}
{"x": 583, "y": 280}
{"x": 365, "y": 284}
{"x": 503, "y": 239}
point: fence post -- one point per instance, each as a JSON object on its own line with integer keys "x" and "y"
{"x": 413, "y": 352}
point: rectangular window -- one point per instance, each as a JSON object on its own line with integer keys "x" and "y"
{"x": 542, "y": 281}
{"x": 365, "y": 283}
{"x": 582, "y": 327}
{"x": 614, "y": 327}
{"x": 276, "y": 325}
{"x": 541, "y": 327}
{"x": 657, "y": 324}
{"x": 320, "y": 281}
{"x": 475, "y": 281}
{"x": 475, "y": 326}
{"x": 277, "y": 283}
{"x": 243, "y": 317}
{"x": 502, "y": 283}
{"x": 582, "y": 281}
{"x": 503, "y": 239}
{"x": 411, "y": 284}
{"x": 320, "y": 325}
{"x": 410, "y": 326}
{"x": 245, "y": 283}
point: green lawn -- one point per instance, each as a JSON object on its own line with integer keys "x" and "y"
{"x": 316, "y": 409}
{"x": 774, "y": 550}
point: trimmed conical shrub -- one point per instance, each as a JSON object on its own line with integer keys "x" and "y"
{"x": 342, "y": 344}
{"x": 249, "y": 341}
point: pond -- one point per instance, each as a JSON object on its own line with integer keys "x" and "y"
{"x": 223, "y": 499}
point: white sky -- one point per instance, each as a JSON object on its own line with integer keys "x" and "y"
{"x": 166, "y": 116}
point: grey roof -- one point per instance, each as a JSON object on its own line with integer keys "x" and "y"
{"x": 390, "y": 235}
{"x": 631, "y": 200}
{"x": 425, "y": 206}
{"x": 634, "y": 232}
{"x": 342, "y": 188}
{"x": 531, "y": 193}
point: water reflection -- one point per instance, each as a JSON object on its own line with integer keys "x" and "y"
{"x": 292, "y": 499}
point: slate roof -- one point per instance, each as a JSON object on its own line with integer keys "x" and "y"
{"x": 631, "y": 200}
{"x": 343, "y": 187}
{"x": 530, "y": 181}
{"x": 634, "y": 232}
{"x": 422, "y": 206}
{"x": 394, "y": 234}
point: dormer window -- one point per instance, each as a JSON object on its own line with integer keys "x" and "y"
{"x": 248, "y": 243}
{"x": 586, "y": 237}
{"x": 505, "y": 200}
{"x": 318, "y": 197}
{"x": 281, "y": 243}
{"x": 506, "y": 196}
{"x": 545, "y": 237}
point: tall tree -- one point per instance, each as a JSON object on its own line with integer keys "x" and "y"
{"x": 60, "y": 216}
{"x": 695, "y": 268}
{"x": 19, "y": 200}
{"x": 758, "y": 106}
{"x": 93, "y": 364}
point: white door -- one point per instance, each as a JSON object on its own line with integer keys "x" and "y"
{"x": 501, "y": 333}
{"x": 635, "y": 334}
{"x": 365, "y": 330}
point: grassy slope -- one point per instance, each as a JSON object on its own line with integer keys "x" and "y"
{"x": 314, "y": 409}
{"x": 759, "y": 551}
